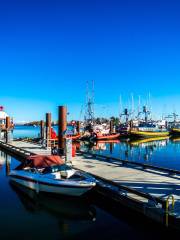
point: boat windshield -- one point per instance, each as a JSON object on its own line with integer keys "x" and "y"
{"x": 56, "y": 168}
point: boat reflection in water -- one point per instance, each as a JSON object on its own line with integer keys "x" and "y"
{"x": 67, "y": 210}
{"x": 66, "y": 207}
{"x": 5, "y": 160}
{"x": 175, "y": 139}
{"x": 132, "y": 150}
{"x": 144, "y": 148}
{"x": 101, "y": 146}
{"x": 3, "y": 157}
{"x": 160, "y": 141}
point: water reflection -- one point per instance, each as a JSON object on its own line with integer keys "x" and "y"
{"x": 8, "y": 164}
{"x": 22, "y": 209}
{"x": 65, "y": 208}
{"x": 2, "y": 158}
{"x": 175, "y": 139}
{"x": 5, "y": 160}
{"x": 146, "y": 147}
{"x": 27, "y": 215}
{"x": 158, "y": 151}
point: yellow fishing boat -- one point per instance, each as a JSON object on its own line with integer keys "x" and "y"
{"x": 148, "y": 134}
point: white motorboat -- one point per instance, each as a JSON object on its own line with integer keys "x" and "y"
{"x": 59, "y": 179}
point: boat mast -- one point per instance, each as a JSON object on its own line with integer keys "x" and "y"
{"x": 132, "y": 106}
{"x": 126, "y": 114}
{"x": 120, "y": 108}
{"x": 175, "y": 117}
{"x": 150, "y": 106}
{"x": 89, "y": 112}
{"x": 139, "y": 107}
{"x": 146, "y": 112}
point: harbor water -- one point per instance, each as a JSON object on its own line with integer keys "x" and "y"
{"x": 163, "y": 153}
{"x": 160, "y": 152}
{"x": 27, "y": 215}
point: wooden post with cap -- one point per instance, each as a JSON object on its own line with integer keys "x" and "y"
{"x": 48, "y": 130}
{"x": 111, "y": 126}
{"x": 62, "y": 126}
{"x": 78, "y": 127}
{"x": 42, "y": 129}
{"x": 8, "y": 125}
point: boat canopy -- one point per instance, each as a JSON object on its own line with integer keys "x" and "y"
{"x": 41, "y": 161}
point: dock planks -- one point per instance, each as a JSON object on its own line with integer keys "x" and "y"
{"x": 149, "y": 181}
{"x": 24, "y": 149}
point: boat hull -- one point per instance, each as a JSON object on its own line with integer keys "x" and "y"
{"x": 108, "y": 137}
{"x": 146, "y": 134}
{"x": 75, "y": 137}
{"x": 109, "y": 141}
{"x": 72, "y": 137}
{"x": 51, "y": 187}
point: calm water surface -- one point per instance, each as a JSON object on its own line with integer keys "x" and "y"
{"x": 165, "y": 152}
{"x": 30, "y": 131}
{"x": 27, "y": 215}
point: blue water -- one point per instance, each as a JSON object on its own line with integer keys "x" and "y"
{"x": 26, "y": 131}
{"x": 165, "y": 153}
{"x": 27, "y": 215}
{"x": 30, "y": 131}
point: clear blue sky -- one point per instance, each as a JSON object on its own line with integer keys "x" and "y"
{"x": 48, "y": 49}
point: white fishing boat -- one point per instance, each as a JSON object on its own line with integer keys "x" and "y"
{"x": 49, "y": 174}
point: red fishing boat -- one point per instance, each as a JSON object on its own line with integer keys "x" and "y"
{"x": 55, "y": 137}
{"x": 73, "y": 137}
{"x": 111, "y": 136}
{"x": 109, "y": 141}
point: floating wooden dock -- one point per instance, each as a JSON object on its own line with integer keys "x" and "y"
{"x": 152, "y": 191}
{"x": 24, "y": 148}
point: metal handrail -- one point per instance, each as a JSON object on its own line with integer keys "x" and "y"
{"x": 167, "y": 208}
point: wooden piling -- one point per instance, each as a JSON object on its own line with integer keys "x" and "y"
{"x": 8, "y": 122}
{"x": 8, "y": 125}
{"x": 78, "y": 127}
{"x": 62, "y": 126}
{"x": 48, "y": 129}
{"x": 111, "y": 126}
{"x": 42, "y": 129}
